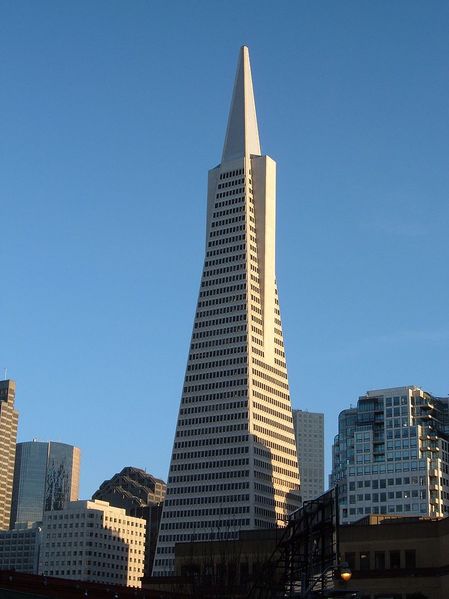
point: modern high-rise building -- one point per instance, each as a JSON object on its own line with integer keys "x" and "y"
{"x": 234, "y": 462}
{"x": 142, "y": 496}
{"x": 309, "y": 432}
{"x": 391, "y": 455}
{"x": 8, "y": 436}
{"x": 46, "y": 476}
{"x": 91, "y": 540}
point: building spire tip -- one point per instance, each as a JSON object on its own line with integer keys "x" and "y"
{"x": 242, "y": 135}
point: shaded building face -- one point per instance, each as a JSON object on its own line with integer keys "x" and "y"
{"x": 46, "y": 478}
{"x": 309, "y": 433}
{"x": 29, "y": 484}
{"x": 20, "y": 549}
{"x": 141, "y": 495}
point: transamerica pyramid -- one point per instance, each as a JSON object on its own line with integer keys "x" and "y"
{"x": 234, "y": 464}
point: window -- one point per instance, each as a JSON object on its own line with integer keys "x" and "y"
{"x": 364, "y": 560}
{"x": 410, "y": 558}
{"x": 395, "y": 560}
{"x": 379, "y": 560}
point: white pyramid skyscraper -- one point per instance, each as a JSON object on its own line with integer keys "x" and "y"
{"x": 234, "y": 463}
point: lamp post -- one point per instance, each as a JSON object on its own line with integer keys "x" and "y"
{"x": 341, "y": 572}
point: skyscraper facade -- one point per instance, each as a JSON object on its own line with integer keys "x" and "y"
{"x": 8, "y": 436}
{"x": 309, "y": 432}
{"x": 391, "y": 455}
{"x": 46, "y": 476}
{"x": 234, "y": 463}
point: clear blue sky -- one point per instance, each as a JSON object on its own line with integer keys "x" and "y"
{"x": 111, "y": 114}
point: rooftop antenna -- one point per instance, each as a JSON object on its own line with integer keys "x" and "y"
{"x": 5, "y": 372}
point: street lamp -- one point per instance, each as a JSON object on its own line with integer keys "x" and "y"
{"x": 342, "y": 572}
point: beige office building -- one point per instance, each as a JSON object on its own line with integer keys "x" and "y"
{"x": 8, "y": 435}
{"x": 234, "y": 464}
{"x": 91, "y": 540}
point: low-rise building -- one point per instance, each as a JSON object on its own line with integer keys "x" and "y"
{"x": 397, "y": 558}
{"x": 19, "y": 548}
{"x": 390, "y": 557}
{"x": 220, "y": 567}
{"x": 91, "y": 540}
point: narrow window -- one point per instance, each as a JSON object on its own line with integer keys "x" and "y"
{"x": 395, "y": 560}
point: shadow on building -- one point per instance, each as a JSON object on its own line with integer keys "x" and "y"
{"x": 141, "y": 495}
{"x": 398, "y": 557}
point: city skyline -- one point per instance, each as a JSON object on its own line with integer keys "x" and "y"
{"x": 104, "y": 239}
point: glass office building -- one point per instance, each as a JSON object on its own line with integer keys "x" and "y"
{"x": 46, "y": 476}
{"x": 391, "y": 455}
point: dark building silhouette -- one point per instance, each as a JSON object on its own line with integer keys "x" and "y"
{"x": 142, "y": 496}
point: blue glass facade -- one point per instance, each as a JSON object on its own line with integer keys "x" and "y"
{"x": 391, "y": 455}
{"x": 46, "y": 476}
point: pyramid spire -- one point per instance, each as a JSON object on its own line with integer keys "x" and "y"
{"x": 242, "y": 134}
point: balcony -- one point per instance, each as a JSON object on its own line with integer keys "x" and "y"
{"x": 423, "y": 416}
{"x": 428, "y": 436}
{"x": 430, "y": 448}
